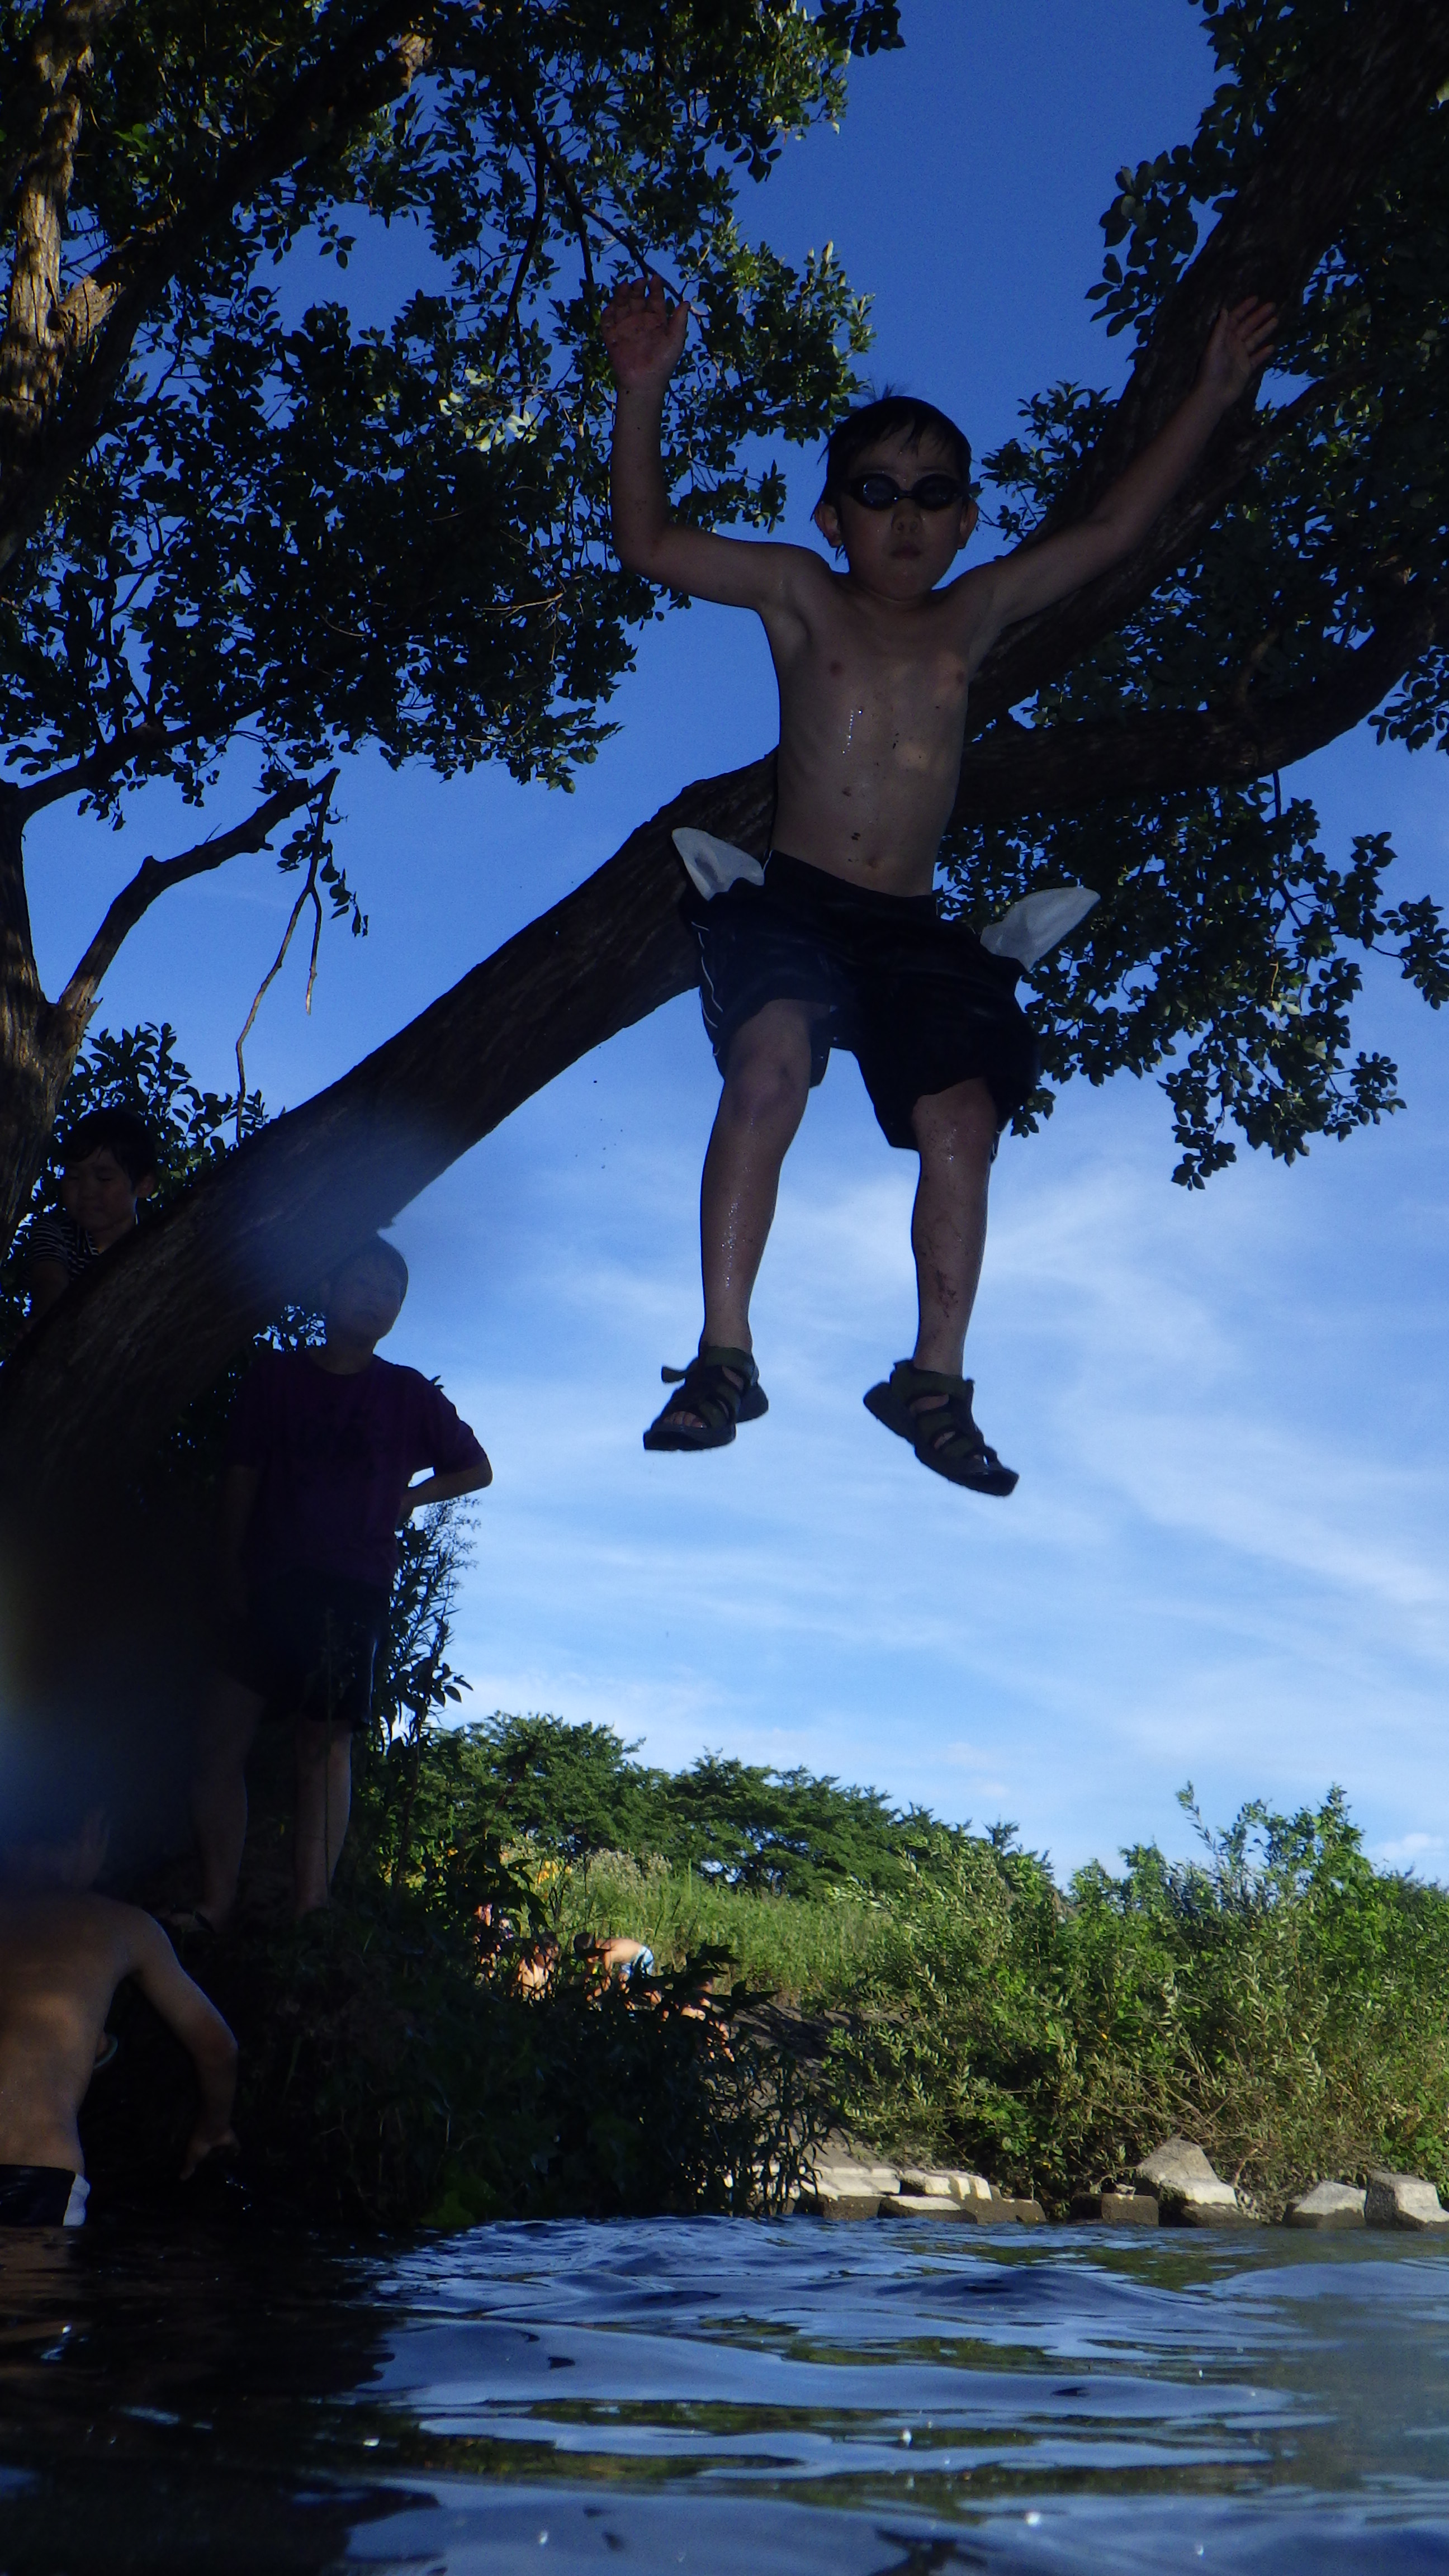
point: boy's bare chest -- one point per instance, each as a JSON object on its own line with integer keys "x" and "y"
{"x": 889, "y": 690}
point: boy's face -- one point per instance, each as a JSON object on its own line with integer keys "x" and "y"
{"x": 99, "y": 1194}
{"x": 902, "y": 552}
{"x": 364, "y": 1301}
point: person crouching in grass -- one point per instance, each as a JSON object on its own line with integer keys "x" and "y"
{"x": 322, "y": 1448}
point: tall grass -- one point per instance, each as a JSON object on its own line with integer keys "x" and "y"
{"x": 804, "y": 1949}
{"x": 1277, "y": 1999}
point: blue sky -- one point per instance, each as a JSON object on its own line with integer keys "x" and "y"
{"x": 1225, "y": 1560}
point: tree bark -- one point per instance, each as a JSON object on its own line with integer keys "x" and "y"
{"x": 45, "y": 437}
{"x": 37, "y": 1041}
{"x": 1017, "y": 770}
{"x": 95, "y": 1386}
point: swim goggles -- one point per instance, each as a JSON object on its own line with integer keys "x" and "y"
{"x": 882, "y": 491}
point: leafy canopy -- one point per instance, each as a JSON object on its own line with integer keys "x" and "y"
{"x": 315, "y": 522}
{"x": 569, "y": 1792}
{"x": 1229, "y": 944}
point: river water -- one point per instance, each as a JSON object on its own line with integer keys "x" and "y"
{"x": 711, "y": 2394}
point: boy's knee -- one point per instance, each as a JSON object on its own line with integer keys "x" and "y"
{"x": 959, "y": 1124}
{"x": 769, "y": 1074}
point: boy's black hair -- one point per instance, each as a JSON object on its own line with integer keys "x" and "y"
{"x": 375, "y": 1243}
{"x": 889, "y": 417}
{"x": 122, "y": 1132}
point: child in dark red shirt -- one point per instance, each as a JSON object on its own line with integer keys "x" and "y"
{"x": 321, "y": 1453}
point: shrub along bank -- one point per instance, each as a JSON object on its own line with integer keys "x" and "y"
{"x": 1276, "y": 1998}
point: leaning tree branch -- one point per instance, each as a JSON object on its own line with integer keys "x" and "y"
{"x": 1019, "y": 771}
{"x": 155, "y": 877}
{"x": 103, "y": 313}
{"x": 107, "y": 1368}
{"x": 142, "y": 742}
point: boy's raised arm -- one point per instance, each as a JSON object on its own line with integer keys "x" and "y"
{"x": 1037, "y": 575}
{"x": 644, "y": 335}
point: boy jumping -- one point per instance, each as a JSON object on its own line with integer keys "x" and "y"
{"x": 842, "y": 944}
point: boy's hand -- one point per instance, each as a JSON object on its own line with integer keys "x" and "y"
{"x": 1241, "y": 343}
{"x": 205, "y": 2141}
{"x": 644, "y": 334}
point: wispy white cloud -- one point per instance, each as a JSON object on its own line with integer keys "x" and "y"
{"x": 1217, "y": 1561}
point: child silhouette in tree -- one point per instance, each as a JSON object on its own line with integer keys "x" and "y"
{"x": 841, "y": 943}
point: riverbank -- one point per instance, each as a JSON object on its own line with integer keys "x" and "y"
{"x": 823, "y": 1965}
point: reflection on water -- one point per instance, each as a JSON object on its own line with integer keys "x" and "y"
{"x": 712, "y": 2394}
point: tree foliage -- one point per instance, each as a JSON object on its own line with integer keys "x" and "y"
{"x": 316, "y": 522}
{"x": 1279, "y": 2000}
{"x": 1228, "y": 947}
{"x": 245, "y": 508}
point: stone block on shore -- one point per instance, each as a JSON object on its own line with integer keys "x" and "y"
{"x": 1173, "y": 2165}
{"x": 1402, "y": 2200}
{"x": 944, "y": 2182}
{"x": 1118, "y": 2208}
{"x": 824, "y": 2203}
{"x": 1328, "y": 2204}
{"x": 997, "y": 2210}
{"x": 1189, "y": 2193}
{"x": 844, "y": 2173}
{"x": 1207, "y": 2205}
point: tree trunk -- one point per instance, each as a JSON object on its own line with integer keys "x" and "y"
{"x": 37, "y": 1042}
{"x": 95, "y": 1386}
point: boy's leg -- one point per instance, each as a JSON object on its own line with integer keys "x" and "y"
{"x": 324, "y": 1803}
{"x": 955, "y": 1133}
{"x": 230, "y": 1716}
{"x": 766, "y": 1086}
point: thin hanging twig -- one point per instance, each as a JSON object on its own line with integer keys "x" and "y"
{"x": 309, "y": 894}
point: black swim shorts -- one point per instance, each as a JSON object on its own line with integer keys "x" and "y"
{"x": 308, "y": 1645}
{"x": 42, "y": 2196}
{"x": 916, "y": 1000}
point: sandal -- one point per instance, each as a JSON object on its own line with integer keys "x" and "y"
{"x": 944, "y": 1436}
{"x": 707, "y": 1388}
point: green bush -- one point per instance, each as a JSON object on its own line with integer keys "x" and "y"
{"x": 1281, "y": 2002}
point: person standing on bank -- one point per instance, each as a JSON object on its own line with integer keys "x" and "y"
{"x": 321, "y": 1451}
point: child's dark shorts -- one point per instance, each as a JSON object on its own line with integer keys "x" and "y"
{"x": 916, "y": 1000}
{"x": 308, "y": 1645}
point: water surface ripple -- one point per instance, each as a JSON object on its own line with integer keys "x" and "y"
{"x": 886, "y": 2399}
